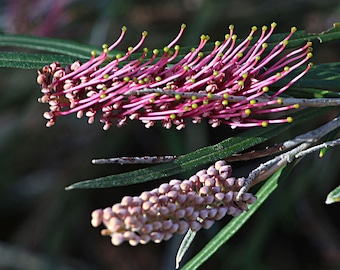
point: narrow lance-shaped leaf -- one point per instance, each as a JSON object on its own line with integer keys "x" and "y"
{"x": 333, "y": 196}
{"x": 199, "y": 157}
{"x": 65, "y": 47}
{"x": 33, "y": 60}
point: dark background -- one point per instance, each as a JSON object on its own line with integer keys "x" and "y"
{"x": 42, "y": 226}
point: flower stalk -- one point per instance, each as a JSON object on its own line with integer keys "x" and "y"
{"x": 114, "y": 88}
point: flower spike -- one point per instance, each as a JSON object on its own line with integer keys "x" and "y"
{"x": 126, "y": 88}
{"x": 175, "y": 207}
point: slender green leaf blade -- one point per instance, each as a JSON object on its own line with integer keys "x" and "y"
{"x": 186, "y": 242}
{"x": 65, "y": 47}
{"x": 33, "y": 60}
{"x": 206, "y": 155}
{"x": 333, "y": 196}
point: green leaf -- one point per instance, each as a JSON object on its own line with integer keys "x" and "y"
{"x": 323, "y": 76}
{"x": 333, "y": 196}
{"x": 234, "y": 225}
{"x": 32, "y": 60}
{"x": 206, "y": 155}
{"x": 185, "y": 244}
{"x": 65, "y": 47}
{"x": 82, "y": 51}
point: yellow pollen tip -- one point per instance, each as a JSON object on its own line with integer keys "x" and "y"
{"x": 289, "y": 119}
{"x": 231, "y": 27}
{"x": 194, "y": 106}
{"x": 296, "y": 106}
{"x": 264, "y": 124}
{"x": 155, "y": 51}
{"x": 225, "y": 95}
{"x": 205, "y": 102}
{"x": 264, "y": 28}
{"x": 118, "y": 56}
{"x": 309, "y": 55}
{"x": 252, "y": 102}
{"x": 177, "y": 48}
{"x": 217, "y": 43}
{"x": 105, "y": 46}
{"x": 106, "y": 76}
{"x": 247, "y": 111}
{"x": 254, "y": 28}
{"x": 177, "y": 97}
{"x": 286, "y": 68}
{"x": 225, "y": 102}
{"x": 273, "y": 24}
{"x": 158, "y": 78}
{"x": 200, "y": 54}
{"x": 279, "y": 101}
{"x": 193, "y": 97}
{"x": 209, "y": 95}
{"x": 126, "y": 79}
{"x": 192, "y": 80}
{"x": 102, "y": 96}
{"x": 234, "y": 37}
{"x": 130, "y": 49}
{"x": 166, "y": 49}
{"x": 264, "y": 45}
{"x": 172, "y": 116}
{"x": 183, "y": 26}
{"x": 93, "y": 53}
{"x": 215, "y": 73}
{"x": 239, "y": 54}
{"x": 151, "y": 100}
{"x": 265, "y": 89}
{"x": 124, "y": 28}
{"x": 144, "y": 33}
{"x": 293, "y": 29}
{"x": 186, "y": 68}
{"x": 285, "y": 43}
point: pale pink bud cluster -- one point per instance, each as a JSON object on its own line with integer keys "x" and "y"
{"x": 113, "y": 87}
{"x": 175, "y": 207}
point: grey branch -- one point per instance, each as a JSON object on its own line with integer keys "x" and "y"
{"x": 302, "y": 146}
{"x": 303, "y": 102}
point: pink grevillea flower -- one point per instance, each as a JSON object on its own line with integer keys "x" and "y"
{"x": 229, "y": 84}
{"x": 175, "y": 207}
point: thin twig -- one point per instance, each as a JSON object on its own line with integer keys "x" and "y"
{"x": 300, "y": 143}
{"x": 134, "y": 160}
{"x": 318, "y": 147}
{"x": 304, "y": 102}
